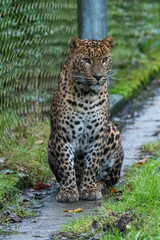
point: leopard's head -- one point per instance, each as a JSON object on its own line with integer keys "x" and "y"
{"x": 91, "y": 61}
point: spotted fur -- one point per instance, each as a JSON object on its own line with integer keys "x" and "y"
{"x": 84, "y": 148}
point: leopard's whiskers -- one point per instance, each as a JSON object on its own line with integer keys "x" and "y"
{"x": 111, "y": 80}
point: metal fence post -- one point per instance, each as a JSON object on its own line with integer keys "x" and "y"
{"x": 92, "y": 19}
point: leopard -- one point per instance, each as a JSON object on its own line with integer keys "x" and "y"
{"x": 85, "y": 152}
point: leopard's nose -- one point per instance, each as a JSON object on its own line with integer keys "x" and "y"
{"x": 98, "y": 77}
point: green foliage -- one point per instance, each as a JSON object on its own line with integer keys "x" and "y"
{"x": 133, "y": 24}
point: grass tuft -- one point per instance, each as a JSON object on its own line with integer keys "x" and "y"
{"x": 26, "y": 160}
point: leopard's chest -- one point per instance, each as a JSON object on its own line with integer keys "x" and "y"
{"x": 85, "y": 127}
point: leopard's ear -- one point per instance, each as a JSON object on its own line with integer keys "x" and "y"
{"x": 109, "y": 41}
{"x": 75, "y": 43}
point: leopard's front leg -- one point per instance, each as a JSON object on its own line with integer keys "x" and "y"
{"x": 61, "y": 160}
{"x": 90, "y": 188}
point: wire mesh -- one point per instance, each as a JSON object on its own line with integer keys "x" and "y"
{"x": 34, "y": 43}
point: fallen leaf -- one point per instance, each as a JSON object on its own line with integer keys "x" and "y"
{"x": 41, "y": 185}
{"x": 142, "y": 161}
{"x": 69, "y": 211}
{"x": 39, "y": 142}
{"x": 114, "y": 190}
{"x": 74, "y": 211}
{"x": 77, "y": 210}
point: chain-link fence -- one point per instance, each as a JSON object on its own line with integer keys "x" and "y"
{"x": 35, "y": 39}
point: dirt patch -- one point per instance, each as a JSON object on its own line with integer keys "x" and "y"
{"x": 121, "y": 222}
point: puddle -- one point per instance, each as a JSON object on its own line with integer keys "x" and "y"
{"x": 141, "y": 120}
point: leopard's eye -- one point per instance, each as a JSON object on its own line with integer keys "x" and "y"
{"x": 87, "y": 60}
{"x": 105, "y": 59}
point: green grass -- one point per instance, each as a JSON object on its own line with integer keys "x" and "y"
{"x": 140, "y": 199}
{"x": 131, "y": 80}
{"x": 152, "y": 148}
{"x": 81, "y": 225}
{"x": 26, "y": 160}
{"x": 8, "y": 188}
{"x": 26, "y": 150}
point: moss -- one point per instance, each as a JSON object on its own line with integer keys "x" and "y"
{"x": 132, "y": 82}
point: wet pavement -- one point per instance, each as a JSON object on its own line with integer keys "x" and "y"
{"x": 50, "y": 217}
{"x": 141, "y": 123}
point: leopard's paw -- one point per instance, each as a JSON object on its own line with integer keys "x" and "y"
{"x": 90, "y": 193}
{"x": 68, "y": 195}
